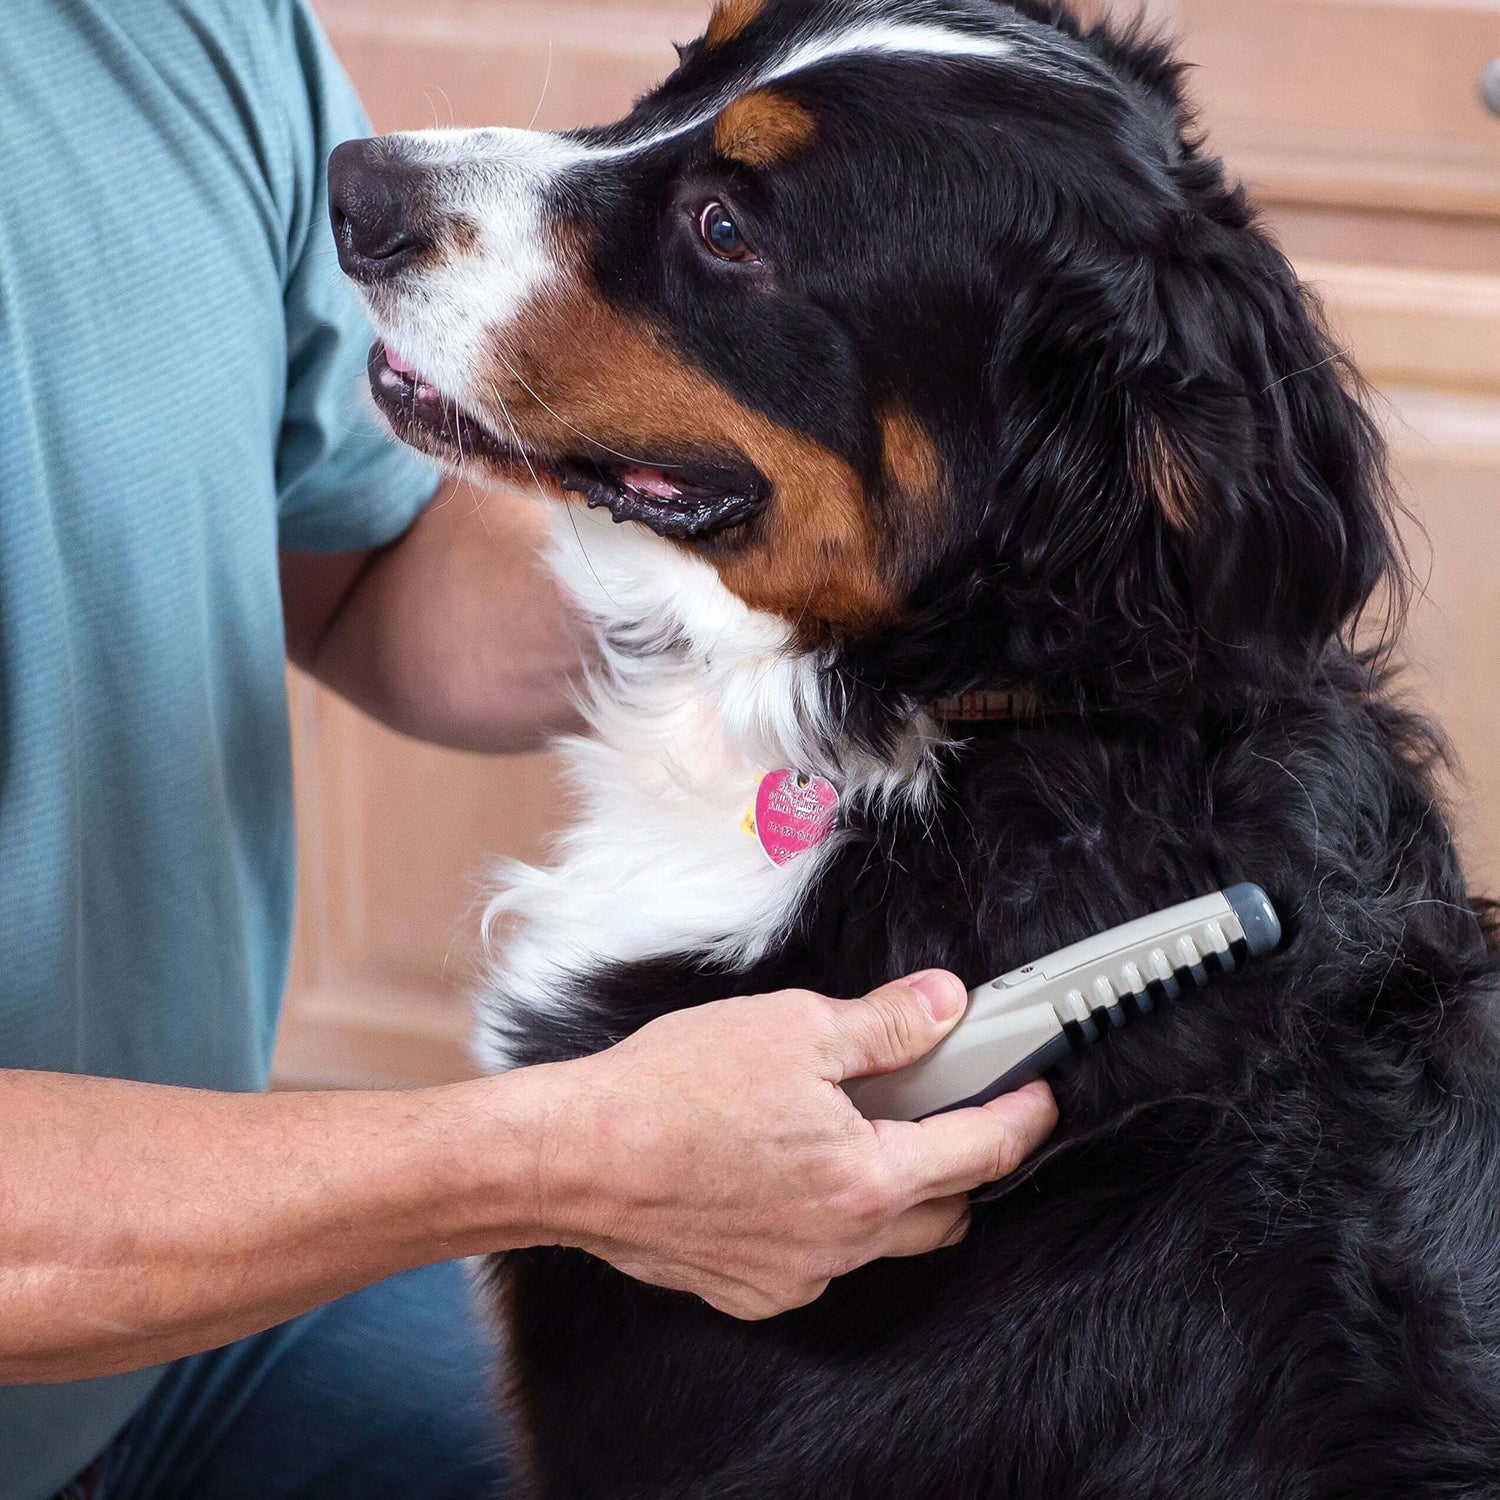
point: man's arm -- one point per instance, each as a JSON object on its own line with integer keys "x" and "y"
{"x": 456, "y": 633}
{"x": 713, "y": 1152}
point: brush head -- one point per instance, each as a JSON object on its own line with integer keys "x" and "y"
{"x": 1028, "y": 1021}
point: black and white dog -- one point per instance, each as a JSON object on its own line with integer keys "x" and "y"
{"x": 891, "y": 351}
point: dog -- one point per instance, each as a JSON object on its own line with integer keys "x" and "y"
{"x": 932, "y": 420}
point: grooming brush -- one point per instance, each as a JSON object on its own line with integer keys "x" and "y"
{"x": 1023, "y": 1024}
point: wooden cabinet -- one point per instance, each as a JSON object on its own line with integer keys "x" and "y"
{"x": 1361, "y": 127}
{"x": 1364, "y": 103}
{"x": 395, "y": 840}
{"x": 505, "y": 62}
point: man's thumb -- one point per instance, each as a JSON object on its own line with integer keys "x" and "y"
{"x": 898, "y": 1023}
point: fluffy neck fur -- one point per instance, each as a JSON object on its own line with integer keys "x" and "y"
{"x": 694, "y": 697}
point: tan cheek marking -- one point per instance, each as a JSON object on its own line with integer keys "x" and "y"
{"x": 913, "y": 508}
{"x": 1165, "y": 475}
{"x": 907, "y": 453}
{"x": 762, "y": 128}
{"x": 574, "y": 363}
{"x": 729, "y": 19}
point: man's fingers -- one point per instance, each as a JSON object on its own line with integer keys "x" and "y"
{"x": 962, "y": 1150}
{"x": 928, "y": 1226}
{"x": 896, "y": 1024}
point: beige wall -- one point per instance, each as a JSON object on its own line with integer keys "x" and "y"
{"x": 1360, "y": 124}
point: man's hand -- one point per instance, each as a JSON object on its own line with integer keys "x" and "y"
{"x": 714, "y": 1151}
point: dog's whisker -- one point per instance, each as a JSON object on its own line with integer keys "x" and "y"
{"x": 541, "y": 492}
{"x": 542, "y": 99}
{"x": 1337, "y": 354}
{"x": 557, "y": 416}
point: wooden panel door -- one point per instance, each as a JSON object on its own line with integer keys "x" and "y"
{"x": 1373, "y": 103}
{"x": 1359, "y": 123}
{"x": 1446, "y": 451}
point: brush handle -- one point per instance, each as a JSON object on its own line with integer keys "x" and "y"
{"x": 1023, "y": 1024}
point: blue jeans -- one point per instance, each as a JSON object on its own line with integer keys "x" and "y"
{"x": 388, "y": 1394}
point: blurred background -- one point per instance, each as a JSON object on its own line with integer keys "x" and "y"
{"x": 1370, "y": 133}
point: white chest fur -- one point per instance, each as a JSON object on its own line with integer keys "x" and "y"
{"x": 696, "y": 697}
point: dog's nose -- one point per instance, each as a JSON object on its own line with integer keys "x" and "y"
{"x": 376, "y": 207}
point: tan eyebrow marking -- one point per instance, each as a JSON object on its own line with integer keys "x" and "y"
{"x": 729, "y": 19}
{"x": 762, "y": 128}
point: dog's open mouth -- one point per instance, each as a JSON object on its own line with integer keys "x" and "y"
{"x": 686, "y": 496}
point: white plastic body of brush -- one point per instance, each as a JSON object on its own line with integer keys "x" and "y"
{"x": 1024, "y": 1023}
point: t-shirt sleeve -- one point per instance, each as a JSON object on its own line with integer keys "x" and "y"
{"x": 343, "y": 483}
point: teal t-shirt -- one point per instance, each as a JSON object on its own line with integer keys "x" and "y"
{"x": 180, "y": 395}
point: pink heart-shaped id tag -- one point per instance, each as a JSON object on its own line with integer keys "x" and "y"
{"x": 794, "y": 812}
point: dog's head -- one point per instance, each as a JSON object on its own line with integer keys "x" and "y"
{"x": 923, "y": 324}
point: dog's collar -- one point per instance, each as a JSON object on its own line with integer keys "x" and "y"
{"x": 992, "y": 706}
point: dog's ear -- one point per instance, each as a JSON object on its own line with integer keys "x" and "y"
{"x": 1246, "y": 434}
{"x": 1182, "y": 466}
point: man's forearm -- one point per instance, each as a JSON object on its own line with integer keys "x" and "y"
{"x": 456, "y": 633}
{"x": 712, "y": 1151}
{"x": 139, "y": 1223}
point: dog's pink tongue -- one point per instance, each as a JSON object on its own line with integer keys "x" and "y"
{"x": 650, "y": 482}
{"x": 397, "y": 363}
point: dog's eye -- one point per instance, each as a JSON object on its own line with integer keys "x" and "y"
{"x": 722, "y": 235}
